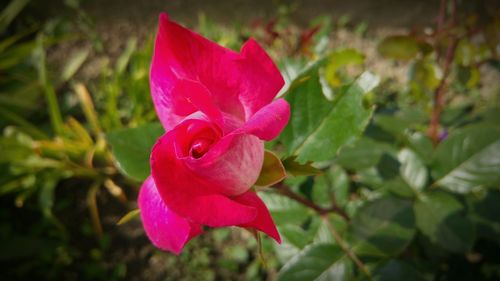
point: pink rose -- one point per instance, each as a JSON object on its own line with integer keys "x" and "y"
{"x": 217, "y": 108}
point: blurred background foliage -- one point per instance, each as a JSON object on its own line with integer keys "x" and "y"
{"x": 392, "y": 153}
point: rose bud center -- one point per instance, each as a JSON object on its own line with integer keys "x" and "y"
{"x": 199, "y": 147}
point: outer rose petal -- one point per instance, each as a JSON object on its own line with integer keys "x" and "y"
{"x": 165, "y": 229}
{"x": 263, "y": 221}
{"x": 240, "y": 84}
{"x": 268, "y": 122}
{"x": 262, "y": 79}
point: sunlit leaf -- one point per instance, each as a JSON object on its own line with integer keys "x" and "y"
{"x": 319, "y": 127}
{"x": 399, "y": 47}
{"x": 412, "y": 169}
{"x": 469, "y": 159}
{"x": 339, "y": 59}
{"x": 73, "y": 64}
{"x": 317, "y": 262}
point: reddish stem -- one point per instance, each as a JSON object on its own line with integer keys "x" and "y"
{"x": 439, "y": 99}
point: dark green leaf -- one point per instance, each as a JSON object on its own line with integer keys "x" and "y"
{"x": 132, "y": 148}
{"x": 10, "y": 12}
{"x": 383, "y": 227}
{"x": 395, "y": 270}
{"x": 441, "y": 218}
{"x": 362, "y": 155}
{"x": 399, "y": 187}
{"x": 485, "y": 216}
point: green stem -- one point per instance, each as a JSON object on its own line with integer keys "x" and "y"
{"x": 48, "y": 89}
{"x": 27, "y": 126}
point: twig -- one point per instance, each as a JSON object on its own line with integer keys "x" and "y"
{"x": 441, "y": 89}
{"x": 343, "y": 245}
{"x": 93, "y": 209}
{"x": 285, "y": 190}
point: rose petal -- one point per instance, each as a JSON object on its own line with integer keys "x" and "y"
{"x": 263, "y": 221}
{"x": 182, "y": 54}
{"x": 165, "y": 229}
{"x": 240, "y": 84}
{"x": 268, "y": 122}
{"x": 190, "y": 194}
{"x": 233, "y": 164}
{"x": 262, "y": 79}
{"x": 190, "y": 96}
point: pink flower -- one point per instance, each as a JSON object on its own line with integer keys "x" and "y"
{"x": 217, "y": 108}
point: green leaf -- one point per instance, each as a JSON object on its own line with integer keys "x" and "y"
{"x": 73, "y": 64}
{"x": 383, "y": 227}
{"x": 324, "y": 234}
{"x": 284, "y": 210}
{"x": 425, "y": 74}
{"x": 317, "y": 262}
{"x": 399, "y": 47}
{"x": 272, "y": 170}
{"x": 363, "y": 154}
{"x": 124, "y": 58}
{"x": 399, "y": 187}
{"x": 129, "y": 216}
{"x": 10, "y": 12}
{"x": 333, "y": 183}
{"x": 395, "y": 270}
{"x": 422, "y": 146}
{"x": 339, "y": 59}
{"x": 469, "y": 159}
{"x": 485, "y": 216}
{"x": 440, "y": 217}
{"x": 412, "y": 169}
{"x": 300, "y": 236}
{"x": 132, "y": 147}
{"x": 319, "y": 127}
{"x": 296, "y": 169}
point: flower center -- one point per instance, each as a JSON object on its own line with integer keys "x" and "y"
{"x": 199, "y": 147}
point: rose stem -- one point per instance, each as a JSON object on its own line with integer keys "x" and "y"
{"x": 343, "y": 245}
